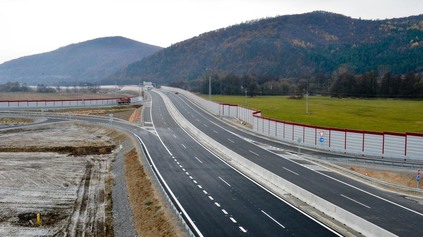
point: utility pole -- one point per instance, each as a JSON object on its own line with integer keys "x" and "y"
{"x": 307, "y": 102}
{"x": 245, "y": 97}
{"x": 209, "y": 87}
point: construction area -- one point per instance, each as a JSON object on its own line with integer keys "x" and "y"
{"x": 56, "y": 180}
{"x": 72, "y": 178}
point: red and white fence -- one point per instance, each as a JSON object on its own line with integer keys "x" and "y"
{"x": 353, "y": 142}
{"x": 11, "y": 104}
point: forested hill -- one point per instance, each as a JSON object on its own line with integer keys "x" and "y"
{"x": 87, "y": 61}
{"x": 292, "y": 46}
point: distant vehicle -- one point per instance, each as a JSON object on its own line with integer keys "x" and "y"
{"x": 123, "y": 101}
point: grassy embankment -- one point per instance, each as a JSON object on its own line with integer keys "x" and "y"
{"x": 387, "y": 115}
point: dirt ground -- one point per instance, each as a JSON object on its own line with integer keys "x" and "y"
{"x": 9, "y": 120}
{"x": 61, "y": 172}
{"x": 399, "y": 176}
{"x": 122, "y": 112}
{"x": 150, "y": 216}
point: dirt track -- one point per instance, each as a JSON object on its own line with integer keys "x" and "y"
{"x": 67, "y": 187}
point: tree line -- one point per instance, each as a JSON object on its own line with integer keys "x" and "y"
{"x": 341, "y": 83}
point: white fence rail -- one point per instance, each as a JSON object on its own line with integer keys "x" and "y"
{"x": 353, "y": 142}
{"x": 11, "y": 104}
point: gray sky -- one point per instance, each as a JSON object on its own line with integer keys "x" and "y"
{"x": 36, "y": 26}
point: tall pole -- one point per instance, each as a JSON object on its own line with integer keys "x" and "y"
{"x": 245, "y": 98}
{"x": 209, "y": 87}
{"x": 306, "y": 102}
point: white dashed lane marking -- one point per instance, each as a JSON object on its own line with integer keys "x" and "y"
{"x": 198, "y": 160}
{"x": 290, "y": 171}
{"x": 205, "y": 192}
{"x": 273, "y": 219}
{"x": 225, "y": 182}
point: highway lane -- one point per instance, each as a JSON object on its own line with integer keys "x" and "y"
{"x": 219, "y": 200}
{"x": 390, "y": 211}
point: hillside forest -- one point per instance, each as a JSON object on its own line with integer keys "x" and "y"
{"x": 342, "y": 83}
{"x": 317, "y": 52}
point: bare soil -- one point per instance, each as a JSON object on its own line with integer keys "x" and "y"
{"x": 63, "y": 173}
{"x": 398, "y": 178}
{"x": 7, "y": 120}
{"x": 122, "y": 112}
{"x": 150, "y": 216}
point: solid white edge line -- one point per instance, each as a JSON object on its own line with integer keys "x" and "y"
{"x": 161, "y": 177}
{"x": 350, "y": 185}
{"x": 359, "y": 189}
{"x": 170, "y": 190}
{"x": 261, "y": 186}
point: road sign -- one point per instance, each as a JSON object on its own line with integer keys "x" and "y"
{"x": 418, "y": 178}
{"x": 322, "y": 134}
{"x": 321, "y": 139}
{"x": 418, "y": 171}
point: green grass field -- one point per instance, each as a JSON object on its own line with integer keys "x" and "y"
{"x": 386, "y": 115}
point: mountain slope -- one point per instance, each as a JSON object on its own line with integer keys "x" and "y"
{"x": 87, "y": 61}
{"x": 288, "y": 46}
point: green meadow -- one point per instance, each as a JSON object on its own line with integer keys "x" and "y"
{"x": 388, "y": 115}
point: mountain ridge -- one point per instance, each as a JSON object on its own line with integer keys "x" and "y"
{"x": 291, "y": 46}
{"x": 89, "y": 60}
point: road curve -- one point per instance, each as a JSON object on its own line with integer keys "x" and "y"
{"x": 219, "y": 200}
{"x": 392, "y": 212}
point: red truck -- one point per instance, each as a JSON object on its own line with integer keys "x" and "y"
{"x": 123, "y": 101}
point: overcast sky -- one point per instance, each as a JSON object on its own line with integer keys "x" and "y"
{"x": 36, "y": 26}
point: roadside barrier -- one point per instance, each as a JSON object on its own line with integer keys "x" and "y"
{"x": 404, "y": 146}
{"x": 274, "y": 182}
{"x": 22, "y": 104}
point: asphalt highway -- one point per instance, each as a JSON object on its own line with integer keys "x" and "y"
{"x": 390, "y": 211}
{"x": 218, "y": 199}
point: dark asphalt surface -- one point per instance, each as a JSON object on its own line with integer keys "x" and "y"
{"x": 219, "y": 200}
{"x": 222, "y": 202}
{"x": 390, "y": 211}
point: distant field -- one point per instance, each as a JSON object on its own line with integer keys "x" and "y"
{"x": 359, "y": 114}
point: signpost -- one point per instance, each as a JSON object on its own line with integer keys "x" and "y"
{"x": 322, "y": 139}
{"x": 418, "y": 177}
